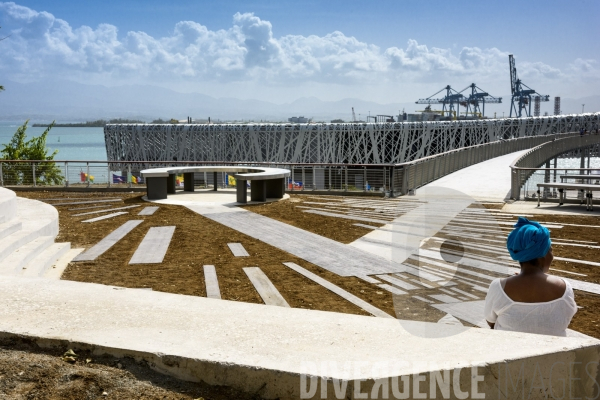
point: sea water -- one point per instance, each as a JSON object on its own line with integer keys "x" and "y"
{"x": 71, "y": 143}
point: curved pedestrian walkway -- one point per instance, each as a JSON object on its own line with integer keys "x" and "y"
{"x": 487, "y": 181}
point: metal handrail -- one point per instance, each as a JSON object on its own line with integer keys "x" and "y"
{"x": 522, "y": 168}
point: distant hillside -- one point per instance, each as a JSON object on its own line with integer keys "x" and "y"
{"x": 100, "y": 123}
{"x": 78, "y": 103}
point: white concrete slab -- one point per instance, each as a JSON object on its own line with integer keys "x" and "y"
{"x": 398, "y": 282}
{"x": 148, "y": 211}
{"x": 154, "y": 246}
{"x": 104, "y": 211}
{"x": 211, "y": 282}
{"x": 86, "y": 202}
{"x": 422, "y": 299}
{"x": 444, "y": 298}
{"x": 265, "y": 350}
{"x": 339, "y": 291}
{"x": 329, "y": 254}
{"x": 238, "y": 250}
{"x": 86, "y": 208}
{"x": 344, "y": 216}
{"x": 109, "y": 241}
{"x": 103, "y": 217}
{"x": 392, "y": 289}
{"x": 369, "y": 279}
{"x": 467, "y": 294}
{"x": 265, "y": 288}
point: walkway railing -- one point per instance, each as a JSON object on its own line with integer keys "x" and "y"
{"x": 526, "y": 165}
{"x": 374, "y": 179}
{"x": 412, "y": 175}
{"x": 382, "y": 179}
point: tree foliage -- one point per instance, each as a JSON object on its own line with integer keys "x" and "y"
{"x": 19, "y": 148}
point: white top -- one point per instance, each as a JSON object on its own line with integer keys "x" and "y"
{"x": 548, "y": 318}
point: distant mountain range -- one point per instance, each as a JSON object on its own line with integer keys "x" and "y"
{"x": 66, "y": 101}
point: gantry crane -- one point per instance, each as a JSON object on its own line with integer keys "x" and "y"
{"x": 452, "y": 97}
{"x": 521, "y": 98}
{"x": 476, "y": 98}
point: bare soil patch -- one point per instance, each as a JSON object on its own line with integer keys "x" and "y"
{"x": 29, "y": 372}
{"x": 338, "y": 229}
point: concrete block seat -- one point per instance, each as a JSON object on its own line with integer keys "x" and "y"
{"x": 264, "y": 182}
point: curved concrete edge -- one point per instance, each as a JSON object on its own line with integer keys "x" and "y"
{"x": 246, "y": 173}
{"x": 8, "y": 205}
{"x": 37, "y": 216}
{"x": 273, "y": 351}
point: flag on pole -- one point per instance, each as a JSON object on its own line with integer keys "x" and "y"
{"x": 118, "y": 179}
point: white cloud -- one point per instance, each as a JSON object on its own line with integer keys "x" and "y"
{"x": 41, "y": 45}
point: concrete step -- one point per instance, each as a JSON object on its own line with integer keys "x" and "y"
{"x": 13, "y": 242}
{"x": 10, "y": 227}
{"x": 19, "y": 258}
{"x": 37, "y": 219}
{"x": 8, "y": 205}
{"x": 56, "y": 271}
{"x": 46, "y": 259}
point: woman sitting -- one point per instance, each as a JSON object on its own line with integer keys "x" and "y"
{"x": 531, "y": 301}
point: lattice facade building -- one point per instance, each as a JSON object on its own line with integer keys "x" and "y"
{"x": 351, "y": 143}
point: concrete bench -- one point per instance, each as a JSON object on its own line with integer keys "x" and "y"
{"x": 264, "y": 182}
{"x": 587, "y": 188}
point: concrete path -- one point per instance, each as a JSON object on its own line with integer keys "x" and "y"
{"x": 211, "y": 282}
{"x": 326, "y": 253}
{"x": 265, "y": 288}
{"x": 148, "y": 211}
{"x": 238, "y": 250}
{"x": 154, "y": 246}
{"x": 485, "y": 181}
{"x": 109, "y": 241}
{"x": 338, "y": 290}
{"x": 108, "y": 216}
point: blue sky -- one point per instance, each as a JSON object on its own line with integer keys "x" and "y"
{"x": 281, "y": 50}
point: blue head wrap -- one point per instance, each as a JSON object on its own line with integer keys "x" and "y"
{"x": 528, "y": 241}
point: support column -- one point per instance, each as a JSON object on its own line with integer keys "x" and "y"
{"x": 554, "y": 189}
{"x": 275, "y": 188}
{"x": 171, "y": 184}
{"x": 241, "y": 191}
{"x": 258, "y": 191}
{"x": 156, "y": 188}
{"x": 561, "y": 193}
{"x": 188, "y": 181}
{"x": 215, "y": 181}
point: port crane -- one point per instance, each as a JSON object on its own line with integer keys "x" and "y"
{"x": 478, "y": 97}
{"x": 521, "y": 93}
{"x": 452, "y": 98}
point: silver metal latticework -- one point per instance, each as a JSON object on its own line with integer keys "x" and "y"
{"x": 355, "y": 143}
